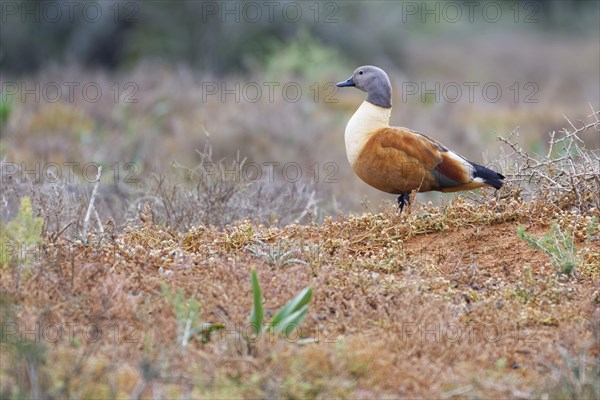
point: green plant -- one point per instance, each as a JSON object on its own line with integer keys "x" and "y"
{"x": 274, "y": 256}
{"x": 258, "y": 313}
{"x": 27, "y": 357}
{"x": 579, "y": 377}
{"x": 187, "y": 312}
{"x": 289, "y": 316}
{"x": 592, "y": 229}
{"x": 557, "y": 244}
{"x": 304, "y": 57}
{"x": 20, "y": 234}
{"x": 5, "y": 109}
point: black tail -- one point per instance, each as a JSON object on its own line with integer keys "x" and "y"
{"x": 490, "y": 177}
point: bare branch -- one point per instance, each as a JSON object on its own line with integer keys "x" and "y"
{"x": 567, "y": 170}
{"x": 88, "y": 214}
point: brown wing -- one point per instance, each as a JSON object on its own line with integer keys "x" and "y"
{"x": 397, "y": 160}
{"x": 453, "y": 170}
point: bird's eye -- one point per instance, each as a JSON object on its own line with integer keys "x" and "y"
{"x": 360, "y": 72}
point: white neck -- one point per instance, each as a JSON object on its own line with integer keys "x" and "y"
{"x": 365, "y": 121}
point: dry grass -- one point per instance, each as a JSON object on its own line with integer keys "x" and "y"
{"x": 399, "y": 308}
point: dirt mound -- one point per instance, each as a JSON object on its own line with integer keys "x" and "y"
{"x": 432, "y": 303}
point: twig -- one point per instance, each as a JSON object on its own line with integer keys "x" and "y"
{"x": 100, "y": 227}
{"x": 457, "y": 392}
{"x": 567, "y": 170}
{"x": 88, "y": 214}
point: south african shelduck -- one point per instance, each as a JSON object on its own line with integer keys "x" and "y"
{"x": 398, "y": 160}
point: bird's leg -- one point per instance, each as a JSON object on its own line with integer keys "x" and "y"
{"x": 403, "y": 200}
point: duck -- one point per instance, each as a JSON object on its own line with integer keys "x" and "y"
{"x": 398, "y": 160}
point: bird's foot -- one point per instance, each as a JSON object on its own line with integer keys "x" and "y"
{"x": 403, "y": 199}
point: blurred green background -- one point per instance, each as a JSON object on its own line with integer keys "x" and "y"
{"x": 225, "y": 37}
{"x": 153, "y": 61}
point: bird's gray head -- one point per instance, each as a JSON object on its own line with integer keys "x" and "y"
{"x": 374, "y": 81}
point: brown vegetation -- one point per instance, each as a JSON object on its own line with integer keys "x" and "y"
{"x": 430, "y": 303}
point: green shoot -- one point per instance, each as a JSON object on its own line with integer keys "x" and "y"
{"x": 557, "y": 244}
{"x": 286, "y": 319}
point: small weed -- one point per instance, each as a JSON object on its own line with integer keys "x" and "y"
{"x": 578, "y": 377}
{"x": 27, "y": 357}
{"x": 286, "y": 319}
{"x": 5, "y": 109}
{"x": 274, "y": 256}
{"x": 592, "y": 230}
{"x": 557, "y": 244}
{"x": 187, "y": 312}
{"x": 20, "y": 234}
{"x": 239, "y": 237}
